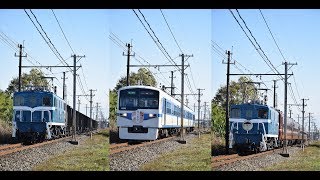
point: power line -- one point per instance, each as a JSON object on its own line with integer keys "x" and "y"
{"x": 272, "y": 35}
{"x": 62, "y": 31}
{"x": 49, "y": 42}
{"x": 171, "y": 31}
{"x": 162, "y": 49}
{"x": 257, "y": 49}
{"x": 135, "y": 57}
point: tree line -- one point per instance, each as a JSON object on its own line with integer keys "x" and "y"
{"x": 239, "y": 91}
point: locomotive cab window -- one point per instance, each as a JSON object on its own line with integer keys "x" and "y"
{"x": 18, "y": 100}
{"x": 46, "y": 101}
{"x": 263, "y": 113}
{"x": 235, "y": 113}
{"x": 248, "y": 114}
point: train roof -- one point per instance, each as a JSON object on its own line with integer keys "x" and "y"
{"x": 37, "y": 92}
{"x": 252, "y": 104}
{"x": 140, "y": 86}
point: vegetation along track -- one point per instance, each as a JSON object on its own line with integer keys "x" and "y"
{"x": 116, "y": 148}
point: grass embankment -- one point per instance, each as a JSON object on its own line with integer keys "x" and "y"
{"x": 91, "y": 155}
{"x": 307, "y": 160}
{"x": 194, "y": 156}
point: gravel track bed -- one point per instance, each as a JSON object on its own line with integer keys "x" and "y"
{"x": 258, "y": 163}
{"x": 133, "y": 159}
{"x": 26, "y": 160}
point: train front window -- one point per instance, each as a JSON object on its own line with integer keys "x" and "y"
{"x": 248, "y": 114}
{"x": 235, "y": 113}
{"x": 46, "y": 101}
{"x": 263, "y": 113}
{"x": 148, "y": 99}
{"x": 18, "y": 100}
{"x": 132, "y": 99}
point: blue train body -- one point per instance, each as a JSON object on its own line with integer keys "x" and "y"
{"x": 38, "y": 115}
{"x": 254, "y": 127}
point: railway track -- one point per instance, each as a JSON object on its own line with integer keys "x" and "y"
{"x": 116, "y": 148}
{"x": 222, "y": 160}
{"x": 12, "y": 148}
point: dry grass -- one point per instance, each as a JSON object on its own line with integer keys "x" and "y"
{"x": 307, "y": 160}
{"x": 92, "y": 155}
{"x": 5, "y": 132}
{"x": 195, "y": 156}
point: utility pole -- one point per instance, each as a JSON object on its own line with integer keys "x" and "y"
{"x": 274, "y": 93}
{"x": 97, "y": 111}
{"x": 172, "y": 87}
{"x": 78, "y": 104}
{"x": 199, "y": 100}
{"x": 303, "y": 105}
{"x": 290, "y": 111}
{"x": 227, "y": 106}
{"x": 64, "y": 94}
{"x": 299, "y": 126}
{"x": 128, "y": 62}
{"x": 187, "y": 101}
{"x": 309, "y": 126}
{"x": 86, "y": 109}
{"x": 91, "y": 95}
{"x": 20, "y": 64}
{"x": 204, "y": 113}
{"x": 285, "y": 150}
{"x": 182, "y": 140}
{"x": 74, "y": 97}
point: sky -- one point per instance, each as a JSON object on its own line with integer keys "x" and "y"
{"x": 186, "y": 31}
{"x": 296, "y": 33}
{"x": 85, "y": 30}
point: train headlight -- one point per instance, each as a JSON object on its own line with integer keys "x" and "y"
{"x": 152, "y": 115}
{"x": 18, "y": 116}
{"x": 123, "y": 114}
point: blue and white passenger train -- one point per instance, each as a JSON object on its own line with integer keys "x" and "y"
{"x": 148, "y": 113}
{"x": 38, "y": 114}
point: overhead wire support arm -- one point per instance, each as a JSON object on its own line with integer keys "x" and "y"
{"x": 256, "y": 74}
{"x": 48, "y": 66}
{"x": 166, "y": 65}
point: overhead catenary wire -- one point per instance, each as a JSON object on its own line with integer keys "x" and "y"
{"x": 171, "y": 31}
{"x": 62, "y": 31}
{"x": 48, "y": 41}
{"x": 120, "y": 43}
{"x": 261, "y": 52}
{"x": 156, "y": 39}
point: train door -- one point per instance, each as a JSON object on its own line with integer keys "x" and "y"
{"x": 164, "y": 111}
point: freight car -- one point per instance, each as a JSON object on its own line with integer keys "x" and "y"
{"x": 148, "y": 113}
{"x": 256, "y": 127}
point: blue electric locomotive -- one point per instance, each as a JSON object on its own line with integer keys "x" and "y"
{"x": 254, "y": 127}
{"x": 38, "y": 114}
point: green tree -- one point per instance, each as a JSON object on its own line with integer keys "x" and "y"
{"x": 144, "y": 76}
{"x": 33, "y": 78}
{"x": 218, "y": 117}
{"x": 240, "y": 91}
{"x": 113, "y": 107}
{"x": 6, "y": 107}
